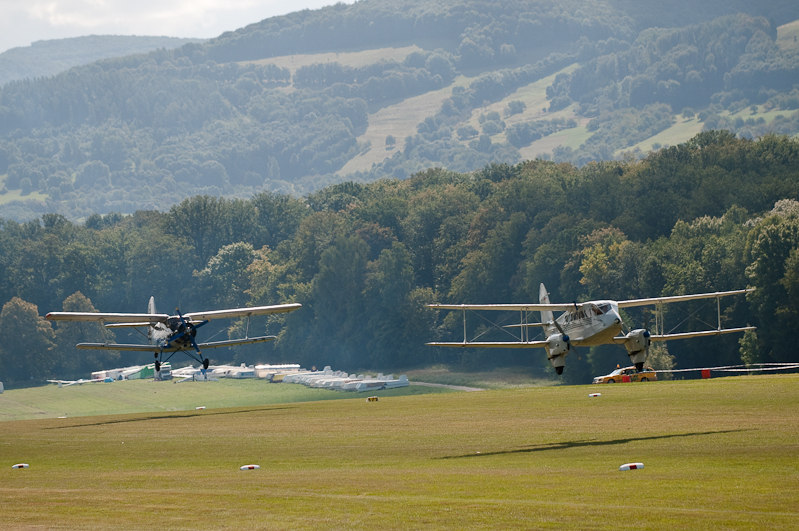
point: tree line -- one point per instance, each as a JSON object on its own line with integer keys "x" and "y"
{"x": 714, "y": 214}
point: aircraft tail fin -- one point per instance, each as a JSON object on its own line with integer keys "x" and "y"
{"x": 543, "y": 298}
{"x": 151, "y": 310}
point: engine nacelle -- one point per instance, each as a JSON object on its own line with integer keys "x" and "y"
{"x": 637, "y": 345}
{"x": 557, "y": 347}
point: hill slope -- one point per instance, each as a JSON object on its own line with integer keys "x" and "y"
{"x": 47, "y": 58}
{"x": 294, "y": 103}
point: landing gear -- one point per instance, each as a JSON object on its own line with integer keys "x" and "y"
{"x": 157, "y": 366}
{"x": 206, "y": 363}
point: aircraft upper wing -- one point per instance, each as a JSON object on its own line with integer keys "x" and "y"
{"x": 572, "y": 305}
{"x": 143, "y": 318}
{"x": 243, "y": 312}
{"x": 127, "y": 325}
{"x": 495, "y": 344}
{"x": 680, "y": 298}
{"x": 510, "y": 307}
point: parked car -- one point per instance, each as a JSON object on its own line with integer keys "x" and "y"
{"x": 617, "y": 376}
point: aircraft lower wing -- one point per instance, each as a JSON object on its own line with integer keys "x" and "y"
{"x": 687, "y": 335}
{"x": 127, "y": 325}
{"x": 617, "y": 340}
{"x": 115, "y": 346}
{"x": 493, "y": 344}
{"x": 231, "y": 342}
{"x": 154, "y": 348}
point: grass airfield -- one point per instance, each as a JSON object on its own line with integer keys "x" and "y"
{"x": 147, "y": 396}
{"x": 718, "y": 454}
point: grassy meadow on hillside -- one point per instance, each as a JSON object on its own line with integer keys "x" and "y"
{"x": 398, "y": 120}
{"x": 788, "y": 36}
{"x": 355, "y": 59}
{"x": 718, "y": 453}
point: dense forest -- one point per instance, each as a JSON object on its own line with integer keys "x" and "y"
{"x": 715, "y": 213}
{"x": 146, "y": 131}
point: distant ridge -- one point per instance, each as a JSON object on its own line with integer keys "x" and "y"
{"x": 47, "y": 58}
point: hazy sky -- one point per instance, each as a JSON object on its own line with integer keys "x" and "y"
{"x": 25, "y": 21}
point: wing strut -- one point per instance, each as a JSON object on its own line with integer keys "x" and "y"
{"x": 464, "y": 326}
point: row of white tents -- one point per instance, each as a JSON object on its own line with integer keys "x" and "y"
{"x": 287, "y": 373}
{"x": 134, "y": 372}
{"x": 272, "y": 373}
{"x": 291, "y": 373}
{"x": 341, "y": 381}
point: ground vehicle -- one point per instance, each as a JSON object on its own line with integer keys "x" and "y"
{"x": 648, "y": 374}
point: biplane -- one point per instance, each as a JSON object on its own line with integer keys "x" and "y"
{"x": 586, "y": 324}
{"x": 168, "y": 334}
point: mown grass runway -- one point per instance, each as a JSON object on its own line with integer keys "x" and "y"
{"x": 142, "y": 396}
{"x": 718, "y": 454}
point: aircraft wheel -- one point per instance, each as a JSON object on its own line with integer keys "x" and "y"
{"x": 644, "y": 379}
{"x": 206, "y": 363}
{"x": 155, "y": 354}
{"x": 611, "y": 381}
{"x": 157, "y": 366}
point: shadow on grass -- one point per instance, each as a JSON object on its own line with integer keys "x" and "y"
{"x": 579, "y": 444}
{"x": 171, "y": 416}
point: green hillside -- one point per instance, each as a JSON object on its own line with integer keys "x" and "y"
{"x": 292, "y": 104}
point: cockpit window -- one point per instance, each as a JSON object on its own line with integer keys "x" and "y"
{"x": 604, "y": 308}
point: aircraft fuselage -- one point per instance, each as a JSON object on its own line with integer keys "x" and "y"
{"x": 174, "y": 334}
{"x": 593, "y": 323}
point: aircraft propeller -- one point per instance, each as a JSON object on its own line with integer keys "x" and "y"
{"x": 563, "y": 334}
{"x": 566, "y": 339}
{"x": 186, "y": 331}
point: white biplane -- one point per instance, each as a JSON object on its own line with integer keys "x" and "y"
{"x": 172, "y": 333}
{"x": 586, "y": 324}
